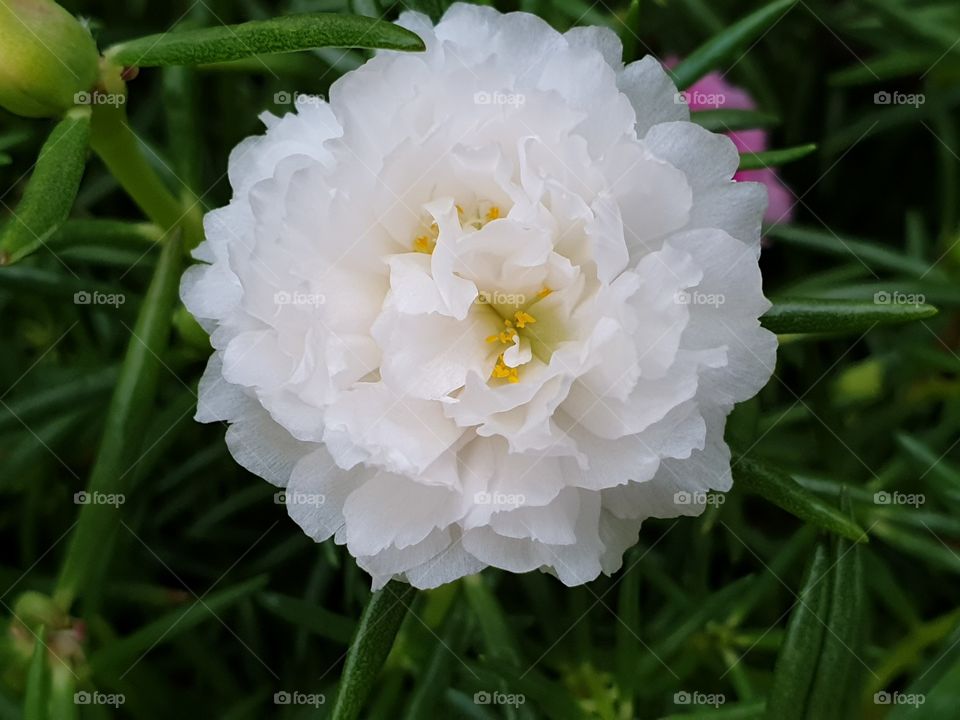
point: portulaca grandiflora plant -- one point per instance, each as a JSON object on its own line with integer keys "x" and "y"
{"x": 486, "y": 306}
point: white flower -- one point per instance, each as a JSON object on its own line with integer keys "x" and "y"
{"x": 491, "y": 305}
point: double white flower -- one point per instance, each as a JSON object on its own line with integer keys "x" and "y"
{"x": 491, "y": 305}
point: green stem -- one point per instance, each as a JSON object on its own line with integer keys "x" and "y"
{"x": 114, "y": 141}
{"x": 375, "y": 635}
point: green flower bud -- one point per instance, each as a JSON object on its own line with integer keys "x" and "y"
{"x": 48, "y": 58}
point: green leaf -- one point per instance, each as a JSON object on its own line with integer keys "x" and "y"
{"x": 775, "y": 158}
{"x": 57, "y": 399}
{"x": 793, "y": 674}
{"x": 279, "y": 35}
{"x": 871, "y": 254}
{"x": 499, "y": 641}
{"x": 839, "y": 661}
{"x": 309, "y": 616}
{"x": 888, "y": 67}
{"x": 120, "y": 654}
{"x": 5, "y": 159}
{"x": 130, "y": 409}
{"x": 729, "y": 44}
{"x": 51, "y": 190}
{"x": 783, "y": 491}
{"x": 35, "y": 700}
{"x": 810, "y": 315}
{"x": 728, "y": 120}
{"x": 378, "y": 628}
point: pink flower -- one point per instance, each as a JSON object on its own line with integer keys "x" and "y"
{"x": 712, "y": 92}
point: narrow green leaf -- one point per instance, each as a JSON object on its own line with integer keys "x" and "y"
{"x": 728, "y": 120}
{"x": 378, "y": 628}
{"x": 748, "y": 710}
{"x": 5, "y": 159}
{"x": 279, "y": 35}
{"x": 783, "y": 491}
{"x": 498, "y": 639}
{"x": 68, "y": 394}
{"x": 871, "y": 254}
{"x": 117, "y": 656}
{"x": 36, "y": 697}
{"x": 839, "y": 660}
{"x": 888, "y": 67}
{"x": 309, "y": 616}
{"x": 729, "y": 44}
{"x": 811, "y": 315}
{"x": 775, "y": 158}
{"x": 51, "y": 190}
{"x": 130, "y": 409}
{"x": 63, "y": 683}
{"x": 427, "y": 694}
{"x": 796, "y": 663}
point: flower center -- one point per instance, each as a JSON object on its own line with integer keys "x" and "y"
{"x": 480, "y": 215}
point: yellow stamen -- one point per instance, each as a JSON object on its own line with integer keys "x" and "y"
{"x": 543, "y": 293}
{"x": 504, "y": 371}
{"x": 524, "y": 318}
{"x": 423, "y": 244}
{"x": 493, "y": 213}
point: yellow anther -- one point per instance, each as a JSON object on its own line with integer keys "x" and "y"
{"x": 504, "y": 371}
{"x": 493, "y": 213}
{"x": 459, "y": 210}
{"x": 543, "y": 293}
{"x": 524, "y": 318}
{"x": 423, "y": 244}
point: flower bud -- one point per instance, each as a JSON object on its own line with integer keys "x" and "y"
{"x": 48, "y": 57}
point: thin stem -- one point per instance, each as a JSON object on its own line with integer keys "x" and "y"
{"x": 370, "y": 647}
{"x": 115, "y": 142}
